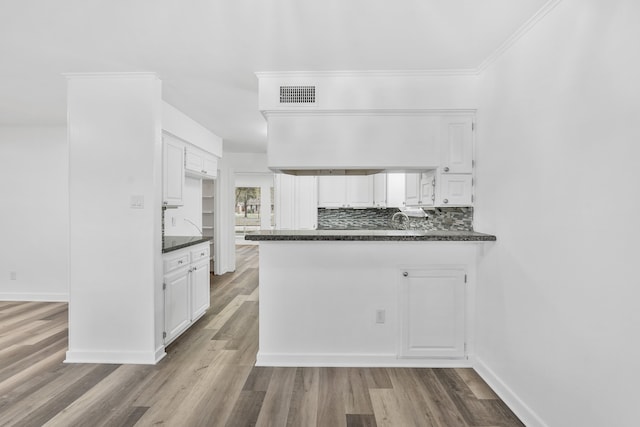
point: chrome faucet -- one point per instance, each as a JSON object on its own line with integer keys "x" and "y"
{"x": 401, "y": 224}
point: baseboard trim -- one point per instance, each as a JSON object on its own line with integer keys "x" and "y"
{"x": 511, "y": 399}
{"x": 113, "y": 357}
{"x": 34, "y": 296}
{"x": 354, "y": 361}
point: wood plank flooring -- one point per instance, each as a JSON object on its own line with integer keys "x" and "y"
{"x": 208, "y": 378}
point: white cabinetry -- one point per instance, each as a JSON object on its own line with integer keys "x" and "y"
{"x": 455, "y": 179}
{"x": 186, "y": 288}
{"x": 173, "y": 171}
{"x": 200, "y": 291}
{"x": 396, "y": 190}
{"x": 380, "y": 190}
{"x": 296, "y": 203}
{"x": 455, "y": 190}
{"x": 345, "y": 191}
{"x": 200, "y": 164}
{"x": 456, "y": 150}
{"x": 433, "y": 313}
{"x": 420, "y": 188}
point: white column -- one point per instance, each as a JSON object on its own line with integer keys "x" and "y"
{"x": 115, "y": 270}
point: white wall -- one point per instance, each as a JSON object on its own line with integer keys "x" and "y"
{"x": 557, "y": 182}
{"x": 115, "y": 273}
{"x": 175, "y": 219}
{"x": 35, "y": 208}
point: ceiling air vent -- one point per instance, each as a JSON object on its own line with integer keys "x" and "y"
{"x": 297, "y": 94}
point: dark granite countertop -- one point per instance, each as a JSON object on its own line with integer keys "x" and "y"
{"x": 172, "y": 243}
{"x": 371, "y": 235}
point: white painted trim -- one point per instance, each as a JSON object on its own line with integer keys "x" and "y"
{"x": 34, "y": 296}
{"x": 518, "y": 34}
{"x": 370, "y": 112}
{"x": 101, "y": 75}
{"x": 367, "y": 73}
{"x": 355, "y": 360}
{"x": 510, "y": 41}
{"x": 113, "y": 357}
{"x": 160, "y": 353}
{"x": 508, "y": 396}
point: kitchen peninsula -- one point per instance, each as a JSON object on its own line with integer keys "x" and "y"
{"x": 367, "y": 297}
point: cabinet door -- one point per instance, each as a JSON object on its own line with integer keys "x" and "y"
{"x": 427, "y": 188}
{"x": 380, "y": 190}
{"x": 200, "y": 290}
{"x": 173, "y": 172}
{"x": 194, "y": 161}
{"x": 433, "y": 313}
{"x": 306, "y": 203}
{"x": 359, "y": 191}
{"x": 284, "y": 195}
{"x": 457, "y": 137}
{"x": 412, "y": 189}
{"x": 332, "y": 191}
{"x": 210, "y": 166}
{"x": 455, "y": 190}
{"x": 396, "y": 190}
{"x": 177, "y": 316}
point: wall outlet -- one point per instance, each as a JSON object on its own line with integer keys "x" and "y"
{"x": 137, "y": 202}
{"x": 380, "y": 316}
{"x": 13, "y": 275}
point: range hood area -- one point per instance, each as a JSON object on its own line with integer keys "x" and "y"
{"x": 359, "y": 123}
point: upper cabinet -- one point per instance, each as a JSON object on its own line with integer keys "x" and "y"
{"x": 455, "y": 180}
{"x": 200, "y": 164}
{"x": 380, "y": 190}
{"x": 345, "y": 191}
{"x": 456, "y": 144}
{"x": 296, "y": 204}
{"x": 173, "y": 171}
{"x": 420, "y": 188}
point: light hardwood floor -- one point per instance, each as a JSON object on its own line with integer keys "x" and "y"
{"x": 208, "y": 378}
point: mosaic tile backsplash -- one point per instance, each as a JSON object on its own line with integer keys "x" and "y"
{"x": 381, "y": 219}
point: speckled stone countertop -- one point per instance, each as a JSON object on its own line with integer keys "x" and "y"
{"x": 371, "y": 235}
{"x": 172, "y": 243}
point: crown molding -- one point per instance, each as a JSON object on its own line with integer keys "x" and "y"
{"x": 520, "y": 32}
{"x": 506, "y": 45}
{"x": 112, "y": 75}
{"x": 367, "y": 73}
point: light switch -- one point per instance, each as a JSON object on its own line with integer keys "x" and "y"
{"x": 137, "y": 202}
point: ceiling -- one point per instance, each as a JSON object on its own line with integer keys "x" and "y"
{"x": 207, "y": 51}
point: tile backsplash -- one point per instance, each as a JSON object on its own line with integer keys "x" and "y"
{"x": 381, "y": 219}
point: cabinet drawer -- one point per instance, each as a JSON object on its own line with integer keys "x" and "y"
{"x": 176, "y": 261}
{"x": 200, "y": 253}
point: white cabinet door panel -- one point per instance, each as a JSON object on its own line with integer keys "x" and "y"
{"x": 176, "y": 300}
{"x": 455, "y": 190}
{"x": 457, "y": 137}
{"x": 433, "y": 307}
{"x": 200, "y": 295}
{"x": 359, "y": 191}
{"x": 173, "y": 172}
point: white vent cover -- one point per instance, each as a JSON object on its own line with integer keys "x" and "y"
{"x": 297, "y": 94}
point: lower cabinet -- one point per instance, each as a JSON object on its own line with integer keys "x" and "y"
{"x": 186, "y": 288}
{"x": 433, "y": 307}
{"x": 177, "y": 316}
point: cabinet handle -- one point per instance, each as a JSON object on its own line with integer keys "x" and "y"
{"x": 179, "y": 261}
{"x": 445, "y": 201}
{"x": 446, "y": 168}
{"x": 201, "y": 253}
{"x": 165, "y": 203}
{"x": 195, "y": 268}
{"x": 405, "y": 273}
